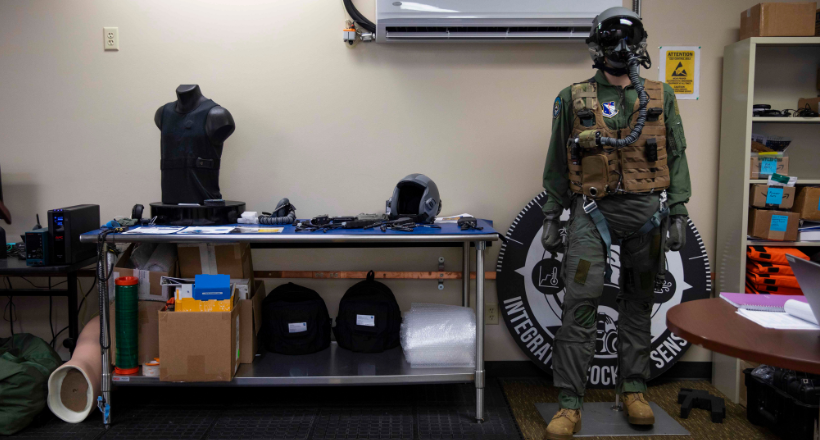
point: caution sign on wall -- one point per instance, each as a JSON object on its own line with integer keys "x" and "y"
{"x": 680, "y": 68}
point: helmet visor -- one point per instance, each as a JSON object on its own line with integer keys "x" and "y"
{"x": 617, "y": 29}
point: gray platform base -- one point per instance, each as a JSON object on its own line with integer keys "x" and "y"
{"x": 600, "y": 420}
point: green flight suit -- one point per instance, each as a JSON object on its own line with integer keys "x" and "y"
{"x": 585, "y": 257}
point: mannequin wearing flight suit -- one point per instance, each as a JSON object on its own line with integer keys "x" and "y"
{"x": 629, "y": 217}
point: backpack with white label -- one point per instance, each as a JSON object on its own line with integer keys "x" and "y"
{"x": 294, "y": 321}
{"x": 369, "y": 319}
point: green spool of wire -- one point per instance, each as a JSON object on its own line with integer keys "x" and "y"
{"x": 126, "y": 325}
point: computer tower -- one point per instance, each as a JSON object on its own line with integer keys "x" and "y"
{"x": 65, "y": 226}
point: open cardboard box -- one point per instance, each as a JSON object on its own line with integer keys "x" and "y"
{"x": 232, "y": 259}
{"x": 209, "y": 346}
{"x": 198, "y": 346}
{"x": 150, "y": 288}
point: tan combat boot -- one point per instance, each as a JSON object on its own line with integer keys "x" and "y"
{"x": 637, "y": 409}
{"x": 564, "y": 423}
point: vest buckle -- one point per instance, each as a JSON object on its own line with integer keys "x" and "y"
{"x": 653, "y": 114}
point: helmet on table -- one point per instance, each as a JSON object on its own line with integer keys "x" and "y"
{"x": 416, "y": 196}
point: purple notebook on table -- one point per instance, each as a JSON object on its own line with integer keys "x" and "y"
{"x": 763, "y": 303}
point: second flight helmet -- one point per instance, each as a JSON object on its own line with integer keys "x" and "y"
{"x": 416, "y": 196}
{"x": 615, "y": 34}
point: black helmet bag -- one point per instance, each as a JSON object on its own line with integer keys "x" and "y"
{"x": 295, "y": 321}
{"x": 369, "y": 319}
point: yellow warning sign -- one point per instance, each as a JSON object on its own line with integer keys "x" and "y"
{"x": 680, "y": 71}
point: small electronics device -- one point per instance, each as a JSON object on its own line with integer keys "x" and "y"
{"x": 65, "y": 226}
{"x": 37, "y": 247}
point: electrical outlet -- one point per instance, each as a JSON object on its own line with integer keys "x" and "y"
{"x": 111, "y": 38}
{"x": 491, "y": 314}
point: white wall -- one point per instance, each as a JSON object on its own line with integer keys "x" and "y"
{"x": 330, "y": 127}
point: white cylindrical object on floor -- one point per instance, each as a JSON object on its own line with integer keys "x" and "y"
{"x": 73, "y": 388}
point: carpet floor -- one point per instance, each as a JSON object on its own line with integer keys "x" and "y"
{"x": 523, "y": 394}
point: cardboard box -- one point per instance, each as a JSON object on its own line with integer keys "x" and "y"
{"x": 760, "y": 196}
{"x": 232, "y": 259}
{"x": 782, "y": 167}
{"x": 778, "y": 20}
{"x": 817, "y": 33}
{"x": 807, "y": 204}
{"x": 150, "y": 288}
{"x": 199, "y": 346}
{"x": 147, "y": 333}
{"x": 811, "y": 102}
{"x": 250, "y": 319}
{"x": 773, "y": 225}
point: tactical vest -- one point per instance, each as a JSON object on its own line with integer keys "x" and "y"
{"x": 190, "y": 160}
{"x": 636, "y": 168}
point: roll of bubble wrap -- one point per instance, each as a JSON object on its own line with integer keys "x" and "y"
{"x": 437, "y": 335}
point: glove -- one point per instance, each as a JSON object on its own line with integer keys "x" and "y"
{"x": 551, "y": 237}
{"x": 677, "y": 233}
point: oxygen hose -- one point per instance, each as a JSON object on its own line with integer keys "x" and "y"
{"x": 634, "y": 76}
{"x": 284, "y": 214}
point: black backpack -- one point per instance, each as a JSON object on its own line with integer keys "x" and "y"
{"x": 369, "y": 319}
{"x": 295, "y": 321}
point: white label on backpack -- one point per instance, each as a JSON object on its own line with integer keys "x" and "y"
{"x": 366, "y": 320}
{"x": 297, "y": 327}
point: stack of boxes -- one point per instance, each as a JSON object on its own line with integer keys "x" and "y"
{"x": 768, "y": 271}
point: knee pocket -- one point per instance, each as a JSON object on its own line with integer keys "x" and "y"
{"x": 585, "y": 314}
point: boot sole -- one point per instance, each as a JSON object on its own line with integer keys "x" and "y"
{"x": 551, "y": 436}
{"x": 641, "y": 420}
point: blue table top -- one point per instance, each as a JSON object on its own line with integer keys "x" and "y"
{"x": 448, "y": 232}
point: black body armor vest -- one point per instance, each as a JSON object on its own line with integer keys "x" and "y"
{"x": 190, "y": 160}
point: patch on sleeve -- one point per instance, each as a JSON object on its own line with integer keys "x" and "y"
{"x": 556, "y": 108}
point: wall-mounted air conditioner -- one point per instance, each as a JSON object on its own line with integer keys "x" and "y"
{"x": 487, "y": 20}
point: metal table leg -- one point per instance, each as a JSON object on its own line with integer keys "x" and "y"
{"x": 465, "y": 275}
{"x": 73, "y": 324}
{"x": 105, "y": 386}
{"x": 479, "y": 340}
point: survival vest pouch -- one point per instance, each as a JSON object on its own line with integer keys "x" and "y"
{"x": 369, "y": 318}
{"x": 295, "y": 321}
{"x": 595, "y": 174}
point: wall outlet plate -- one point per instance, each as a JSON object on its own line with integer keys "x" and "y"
{"x": 491, "y": 314}
{"x": 111, "y": 38}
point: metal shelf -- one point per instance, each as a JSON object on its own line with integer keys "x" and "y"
{"x": 799, "y": 181}
{"x": 781, "y": 243}
{"x": 789, "y": 120}
{"x": 333, "y": 366}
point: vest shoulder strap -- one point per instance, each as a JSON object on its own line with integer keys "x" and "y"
{"x": 585, "y": 95}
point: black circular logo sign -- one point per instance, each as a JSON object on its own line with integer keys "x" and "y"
{"x": 530, "y": 295}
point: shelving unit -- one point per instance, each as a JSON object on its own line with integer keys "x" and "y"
{"x": 764, "y": 70}
{"x": 333, "y": 366}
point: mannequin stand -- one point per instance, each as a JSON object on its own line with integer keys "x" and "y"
{"x": 608, "y": 420}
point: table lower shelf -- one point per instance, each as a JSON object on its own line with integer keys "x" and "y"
{"x": 333, "y": 366}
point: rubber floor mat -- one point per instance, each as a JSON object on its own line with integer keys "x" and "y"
{"x": 366, "y": 422}
{"x": 48, "y": 426}
{"x": 459, "y": 423}
{"x": 159, "y": 423}
{"x": 280, "y": 423}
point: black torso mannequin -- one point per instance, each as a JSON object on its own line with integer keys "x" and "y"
{"x": 193, "y": 129}
{"x": 219, "y": 125}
